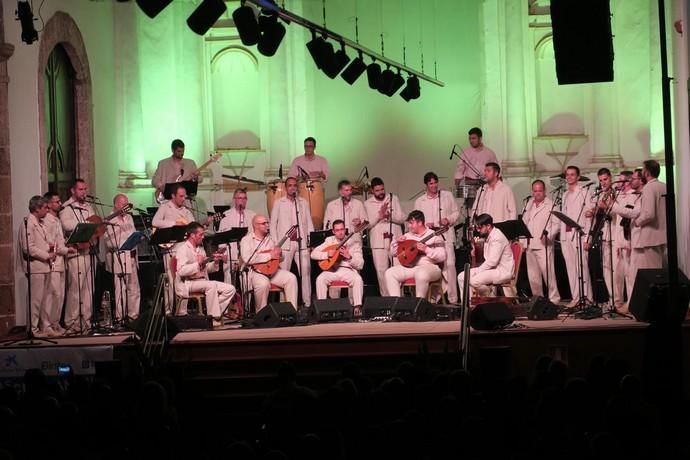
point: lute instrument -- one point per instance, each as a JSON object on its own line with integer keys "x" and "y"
{"x": 407, "y": 251}
{"x": 329, "y": 263}
{"x": 101, "y": 221}
{"x": 271, "y": 266}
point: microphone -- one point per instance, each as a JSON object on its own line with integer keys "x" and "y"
{"x": 557, "y": 189}
{"x": 91, "y": 197}
{"x": 328, "y": 222}
{"x": 303, "y": 173}
{"x": 141, "y": 211}
{"x": 280, "y": 171}
{"x": 527, "y": 197}
{"x": 366, "y": 172}
{"x": 588, "y": 185}
{"x": 181, "y": 172}
{"x": 452, "y": 152}
{"x": 622, "y": 181}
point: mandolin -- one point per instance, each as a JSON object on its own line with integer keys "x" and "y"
{"x": 269, "y": 267}
{"x": 100, "y": 230}
{"x": 407, "y": 251}
{"x": 329, "y": 263}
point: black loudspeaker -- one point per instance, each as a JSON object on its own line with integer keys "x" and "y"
{"x": 582, "y": 41}
{"x": 140, "y": 326}
{"x": 378, "y": 307}
{"x": 491, "y": 316}
{"x": 276, "y": 315}
{"x": 541, "y": 309}
{"x": 649, "y": 298}
{"x": 413, "y": 309}
{"x": 327, "y": 310}
{"x": 193, "y": 322}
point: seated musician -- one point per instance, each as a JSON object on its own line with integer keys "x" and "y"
{"x": 192, "y": 274}
{"x": 425, "y": 268}
{"x": 257, "y": 248}
{"x": 498, "y": 263}
{"x": 346, "y": 269}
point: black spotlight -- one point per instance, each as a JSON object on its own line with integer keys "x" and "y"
{"x": 321, "y": 51}
{"x": 411, "y": 91}
{"x": 397, "y": 83}
{"x": 205, "y": 15}
{"x": 386, "y": 81}
{"x": 354, "y": 70}
{"x": 374, "y": 75}
{"x": 338, "y": 62}
{"x": 151, "y": 8}
{"x": 26, "y": 18}
{"x": 246, "y": 24}
{"x": 272, "y": 33}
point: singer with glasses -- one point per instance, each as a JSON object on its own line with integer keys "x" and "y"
{"x": 175, "y": 168}
{"x": 258, "y": 247}
{"x": 315, "y": 166}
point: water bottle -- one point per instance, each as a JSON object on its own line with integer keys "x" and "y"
{"x": 107, "y": 319}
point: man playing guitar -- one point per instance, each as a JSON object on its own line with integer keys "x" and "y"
{"x": 258, "y": 248}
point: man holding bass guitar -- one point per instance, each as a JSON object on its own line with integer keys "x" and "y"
{"x": 341, "y": 259}
{"x": 175, "y": 168}
{"x": 263, "y": 257}
{"x": 419, "y": 251}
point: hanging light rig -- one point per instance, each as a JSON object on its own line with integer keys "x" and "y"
{"x": 332, "y": 62}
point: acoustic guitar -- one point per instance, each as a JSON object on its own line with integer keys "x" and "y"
{"x": 329, "y": 263}
{"x": 100, "y": 230}
{"x": 271, "y": 266}
{"x": 407, "y": 251}
{"x": 158, "y": 194}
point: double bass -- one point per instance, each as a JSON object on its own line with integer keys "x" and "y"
{"x": 407, "y": 251}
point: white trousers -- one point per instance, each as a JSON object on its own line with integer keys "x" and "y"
{"x": 422, "y": 274}
{"x": 261, "y": 285}
{"x": 572, "y": 262}
{"x": 40, "y": 286}
{"x": 348, "y": 275}
{"x": 482, "y": 281}
{"x": 127, "y": 291}
{"x": 289, "y": 255}
{"x": 621, "y": 274}
{"x": 55, "y": 298}
{"x": 79, "y": 290}
{"x": 606, "y": 267}
{"x": 381, "y": 263}
{"x": 537, "y": 270}
{"x": 650, "y": 257}
{"x": 169, "y": 289}
{"x": 218, "y": 295}
{"x": 450, "y": 273}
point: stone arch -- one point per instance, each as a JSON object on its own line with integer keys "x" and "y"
{"x": 62, "y": 30}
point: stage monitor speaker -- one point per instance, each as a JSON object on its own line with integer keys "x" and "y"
{"x": 413, "y": 309}
{"x": 378, "y": 307}
{"x": 491, "y": 316}
{"x": 328, "y": 310}
{"x": 649, "y": 298}
{"x": 140, "y": 325}
{"x": 193, "y": 322}
{"x": 582, "y": 41}
{"x": 279, "y": 314}
{"x": 542, "y": 309}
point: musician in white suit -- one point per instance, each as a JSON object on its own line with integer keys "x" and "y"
{"x": 122, "y": 264}
{"x": 495, "y": 198}
{"x": 441, "y": 210}
{"x": 192, "y": 274}
{"x": 284, "y": 217}
{"x": 236, "y": 217}
{"x": 498, "y": 265}
{"x": 385, "y": 217}
{"x": 650, "y": 245}
{"x": 346, "y": 269}
{"x": 426, "y": 268}
{"x": 539, "y": 249}
{"x": 57, "y": 279}
{"x": 345, "y": 208}
{"x": 258, "y": 247}
{"x": 175, "y": 168}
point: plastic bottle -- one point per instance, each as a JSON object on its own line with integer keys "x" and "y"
{"x": 107, "y": 319}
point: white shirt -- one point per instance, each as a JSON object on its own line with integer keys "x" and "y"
{"x": 316, "y": 167}
{"x": 497, "y": 255}
{"x": 168, "y": 215}
{"x": 652, "y": 218}
{"x": 56, "y": 238}
{"x": 114, "y": 238}
{"x": 258, "y": 249}
{"x": 478, "y": 158}
{"x": 232, "y": 218}
{"x": 449, "y": 210}
{"x": 535, "y": 218}
{"x": 283, "y": 217}
{"x": 188, "y": 267}
{"x": 436, "y": 248}
{"x": 497, "y": 201}
{"x": 169, "y": 170}
{"x": 624, "y": 208}
{"x": 357, "y": 259}
{"x": 74, "y": 213}
{"x": 574, "y": 206}
{"x": 378, "y": 228}
{"x": 337, "y": 209}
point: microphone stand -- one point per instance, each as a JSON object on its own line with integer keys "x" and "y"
{"x": 244, "y": 279}
{"x": 584, "y": 301}
{"x": 556, "y": 202}
{"x": 299, "y": 247}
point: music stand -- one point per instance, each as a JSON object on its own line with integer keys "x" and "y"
{"x": 584, "y": 308}
{"x": 81, "y": 234}
{"x": 190, "y": 187}
{"x": 218, "y": 209}
{"x": 152, "y": 210}
{"x": 318, "y": 237}
{"x": 169, "y": 235}
{"x": 513, "y": 229}
{"x": 133, "y": 241}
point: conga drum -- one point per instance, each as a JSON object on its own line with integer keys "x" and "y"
{"x": 274, "y": 191}
{"x": 314, "y": 193}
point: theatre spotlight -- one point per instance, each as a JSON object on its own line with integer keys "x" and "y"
{"x": 374, "y": 75}
{"x": 411, "y": 90}
{"x": 151, "y": 8}
{"x": 354, "y": 70}
{"x": 321, "y": 51}
{"x": 272, "y": 33}
{"x": 26, "y": 19}
{"x": 397, "y": 83}
{"x": 386, "y": 81}
{"x": 246, "y": 24}
{"x": 205, "y": 15}
{"x": 338, "y": 62}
